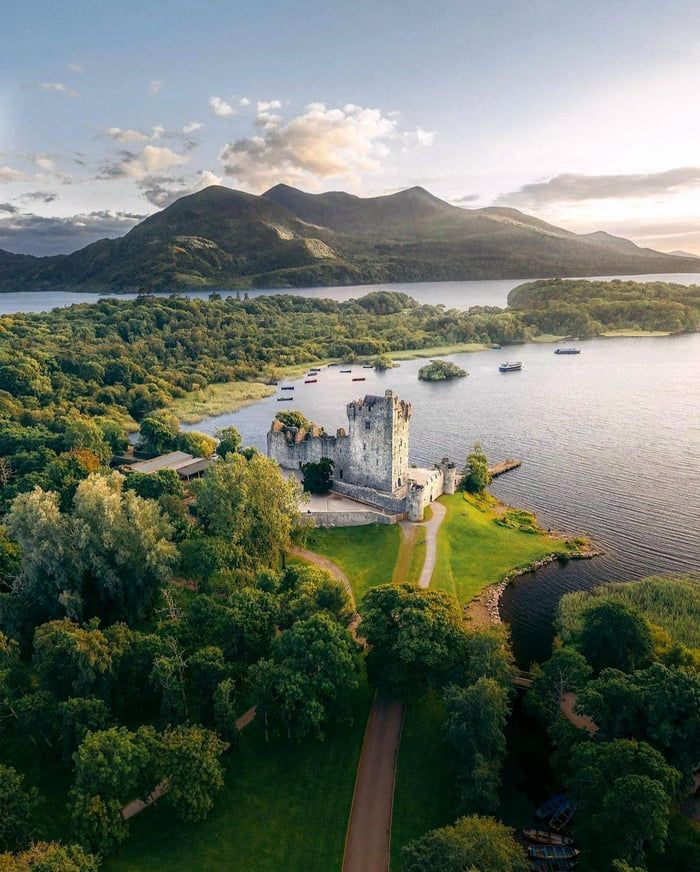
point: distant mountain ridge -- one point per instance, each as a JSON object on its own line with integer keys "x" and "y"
{"x": 220, "y": 237}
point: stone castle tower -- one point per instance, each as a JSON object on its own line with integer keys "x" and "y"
{"x": 376, "y": 454}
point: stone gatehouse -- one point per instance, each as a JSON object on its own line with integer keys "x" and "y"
{"x": 370, "y": 458}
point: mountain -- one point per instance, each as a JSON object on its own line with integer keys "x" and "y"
{"x": 219, "y": 237}
{"x": 680, "y": 253}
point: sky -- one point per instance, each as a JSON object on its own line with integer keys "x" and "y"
{"x": 581, "y": 113}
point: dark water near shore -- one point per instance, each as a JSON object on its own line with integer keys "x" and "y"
{"x": 609, "y": 439}
{"x": 457, "y": 295}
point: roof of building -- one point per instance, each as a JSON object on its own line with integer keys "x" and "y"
{"x": 174, "y": 460}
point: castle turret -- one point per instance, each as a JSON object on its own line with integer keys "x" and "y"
{"x": 378, "y": 436}
{"x": 449, "y": 475}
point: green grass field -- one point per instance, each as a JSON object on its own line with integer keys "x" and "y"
{"x": 425, "y": 778}
{"x": 474, "y": 551}
{"x": 367, "y": 555}
{"x": 284, "y": 806}
{"x": 411, "y": 558}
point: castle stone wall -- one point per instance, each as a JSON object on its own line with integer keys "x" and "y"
{"x": 395, "y": 502}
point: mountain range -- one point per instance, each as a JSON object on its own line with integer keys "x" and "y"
{"x": 219, "y": 237}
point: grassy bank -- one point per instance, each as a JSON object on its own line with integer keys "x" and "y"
{"x": 411, "y": 557}
{"x": 219, "y": 399}
{"x": 474, "y": 551}
{"x": 284, "y": 806}
{"x": 424, "y": 792}
{"x": 367, "y": 555}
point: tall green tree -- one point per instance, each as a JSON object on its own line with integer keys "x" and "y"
{"x": 471, "y": 844}
{"x": 50, "y": 857}
{"x": 416, "y": 638}
{"x": 229, "y": 441}
{"x": 475, "y": 475}
{"x": 615, "y": 635}
{"x": 475, "y": 728}
{"x": 17, "y": 807}
{"x": 71, "y": 660}
{"x": 190, "y": 763}
{"x": 566, "y": 670}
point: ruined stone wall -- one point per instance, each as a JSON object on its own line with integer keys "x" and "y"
{"x": 352, "y": 519}
{"x": 395, "y": 502}
{"x": 290, "y": 452}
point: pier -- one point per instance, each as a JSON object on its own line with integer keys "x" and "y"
{"x": 506, "y": 466}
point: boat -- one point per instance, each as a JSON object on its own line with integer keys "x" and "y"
{"x": 551, "y": 806}
{"x": 367, "y": 366}
{"x": 563, "y": 815}
{"x": 515, "y": 366}
{"x": 359, "y": 378}
{"x": 287, "y": 388}
{"x": 346, "y": 370}
{"x": 552, "y": 852}
{"x": 544, "y": 837}
{"x": 568, "y": 350}
{"x": 552, "y": 865}
{"x": 310, "y": 381}
{"x": 315, "y": 369}
{"x": 284, "y": 399}
{"x": 495, "y": 347}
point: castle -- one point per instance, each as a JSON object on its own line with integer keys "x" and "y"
{"x": 370, "y": 459}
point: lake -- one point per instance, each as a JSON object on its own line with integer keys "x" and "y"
{"x": 457, "y": 295}
{"x": 609, "y": 439}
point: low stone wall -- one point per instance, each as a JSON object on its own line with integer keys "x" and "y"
{"x": 387, "y": 502}
{"x": 351, "y": 519}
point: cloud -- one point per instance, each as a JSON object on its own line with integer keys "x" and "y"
{"x": 44, "y": 162}
{"x": 35, "y": 234}
{"x": 128, "y": 134}
{"x": 7, "y": 174}
{"x": 418, "y": 138}
{"x": 574, "y": 187}
{"x": 9, "y": 208}
{"x": 244, "y": 101}
{"x": 75, "y": 68}
{"x": 151, "y": 160}
{"x": 266, "y": 105}
{"x": 40, "y": 196}
{"x": 59, "y": 88}
{"x": 318, "y": 144}
{"x": 220, "y": 107}
{"x": 155, "y": 86}
{"x": 164, "y": 190}
{"x": 465, "y": 198}
{"x": 191, "y": 127}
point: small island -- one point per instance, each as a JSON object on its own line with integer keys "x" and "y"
{"x": 440, "y": 370}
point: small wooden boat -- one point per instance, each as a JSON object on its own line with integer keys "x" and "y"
{"x": 562, "y": 817}
{"x": 367, "y": 366}
{"x": 346, "y": 370}
{"x": 284, "y": 399}
{"x": 515, "y": 366}
{"x": 495, "y": 347}
{"x": 315, "y": 369}
{"x": 551, "y": 806}
{"x": 310, "y": 381}
{"x": 568, "y": 350}
{"x": 552, "y": 852}
{"x": 552, "y": 865}
{"x": 287, "y": 388}
{"x": 544, "y": 837}
{"x": 359, "y": 378}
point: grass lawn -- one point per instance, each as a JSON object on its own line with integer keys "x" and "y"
{"x": 367, "y": 555}
{"x": 283, "y": 807}
{"x": 436, "y": 350}
{"x": 217, "y": 399}
{"x": 474, "y": 551}
{"x": 425, "y": 778}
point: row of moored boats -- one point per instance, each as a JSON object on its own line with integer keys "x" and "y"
{"x": 311, "y": 378}
{"x": 551, "y": 850}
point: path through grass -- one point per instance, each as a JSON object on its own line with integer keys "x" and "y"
{"x": 284, "y": 806}
{"x": 367, "y": 555}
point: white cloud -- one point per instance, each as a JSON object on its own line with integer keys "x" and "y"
{"x": 162, "y": 191}
{"x": 244, "y": 101}
{"x": 151, "y": 160}
{"x": 7, "y": 174}
{"x": 318, "y": 144}
{"x": 58, "y": 88}
{"x": 191, "y": 127}
{"x": 75, "y": 68}
{"x": 220, "y": 107}
{"x": 44, "y": 162}
{"x": 131, "y": 134}
{"x": 577, "y": 187}
{"x": 155, "y": 86}
{"x": 418, "y": 138}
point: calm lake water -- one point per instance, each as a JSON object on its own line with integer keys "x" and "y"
{"x": 457, "y": 295}
{"x": 609, "y": 439}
